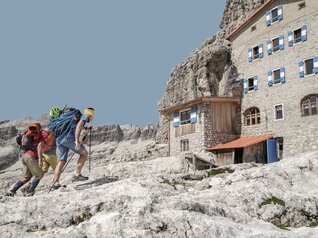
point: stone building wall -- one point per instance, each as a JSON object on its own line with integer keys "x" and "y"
{"x": 299, "y": 133}
{"x": 196, "y": 140}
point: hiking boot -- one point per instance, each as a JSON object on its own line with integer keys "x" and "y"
{"x": 56, "y": 186}
{"x": 10, "y": 193}
{"x": 25, "y": 189}
{"x": 79, "y": 177}
{"x": 30, "y": 194}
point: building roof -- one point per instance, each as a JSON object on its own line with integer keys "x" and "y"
{"x": 213, "y": 99}
{"x": 249, "y": 19}
{"x": 243, "y": 142}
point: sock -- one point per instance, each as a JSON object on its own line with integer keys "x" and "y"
{"x": 34, "y": 184}
{"x": 17, "y": 185}
{"x": 77, "y": 173}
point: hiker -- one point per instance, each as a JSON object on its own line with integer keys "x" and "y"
{"x": 31, "y": 164}
{"x": 47, "y": 153}
{"x": 70, "y": 140}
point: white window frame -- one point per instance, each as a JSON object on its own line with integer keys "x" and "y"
{"x": 283, "y": 112}
{"x": 301, "y": 40}
{"x": 277, "y": 37}
{"x": 313, "y": 73}
{"x": 257, "y": 54}
{"x": 248, "y": 89}
{"x": 188, "y": 109}
{"x": 273, "y": 77}
{"x": 272, "y": 15}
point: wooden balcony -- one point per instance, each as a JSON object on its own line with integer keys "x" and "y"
{"x": 184, "y": 129}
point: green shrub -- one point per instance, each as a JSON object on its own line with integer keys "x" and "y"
{"x": 214, "y": 172}
{"x": 273, "y": 200}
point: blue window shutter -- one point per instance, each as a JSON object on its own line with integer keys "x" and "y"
{"x": 304, "y": 33}
{"x": 269, "y": 47}
{"x": 255, "y": 80}
{"x": 280, "y": 12}
{"x": 269, "y": 78}
{"x": 301, "y": 69}
{"x": 268, "y": 18}
{"x": 260, "y": 50}
{"x": 193, "y": 115}
{"x": 282, "y": 75}
{"x": 316, "y": 64}
{"x": 176, "y": 119}
{"x": 245, "y": 85}
{"x": 281, "y": 42}
{"x": 290, "y": 38}
{"x": 249, "y": 54}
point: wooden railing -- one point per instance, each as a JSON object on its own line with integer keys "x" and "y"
{"x": 184, "y": 129}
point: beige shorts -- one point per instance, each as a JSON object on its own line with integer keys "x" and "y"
{"x": 49, "y": 161}
{"x": 30, "y": 166}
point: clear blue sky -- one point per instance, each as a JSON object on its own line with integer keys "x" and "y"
{"x": 113, "y": 55}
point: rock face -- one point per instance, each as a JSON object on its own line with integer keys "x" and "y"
{"x": 236, "y": 12}
{"x": 159, "y": 198}
{"x": 205, "y": 72}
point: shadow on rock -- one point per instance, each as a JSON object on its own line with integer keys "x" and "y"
{"x": 97, "y": 182}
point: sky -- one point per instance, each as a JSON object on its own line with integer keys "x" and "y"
{"x": 113, "y": 55}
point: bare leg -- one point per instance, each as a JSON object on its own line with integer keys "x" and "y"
{"x": 58, "y": 170}
{"x": 81, "y": 161}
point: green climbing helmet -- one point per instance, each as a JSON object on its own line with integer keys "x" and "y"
{"x": 54, "y": 112}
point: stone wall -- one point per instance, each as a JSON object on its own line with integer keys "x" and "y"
{"x": 196, "y": 140}
{"x": 300, "y": 133}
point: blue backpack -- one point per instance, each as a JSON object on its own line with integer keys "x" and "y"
{"x": 63, "y": 124}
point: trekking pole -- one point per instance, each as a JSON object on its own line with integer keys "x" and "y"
{"x": 90, "y": 151}
{"x": 54, "y": 182}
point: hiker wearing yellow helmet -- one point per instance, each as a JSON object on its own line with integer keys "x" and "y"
{"x": 71, "y": 141}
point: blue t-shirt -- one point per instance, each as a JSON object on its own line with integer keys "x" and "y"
{"x": 70, "y": 136}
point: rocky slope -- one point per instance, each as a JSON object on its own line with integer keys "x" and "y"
{"x": 160, "y": 198}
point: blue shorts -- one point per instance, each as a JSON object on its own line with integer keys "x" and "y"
{"x": 64, "y": 147}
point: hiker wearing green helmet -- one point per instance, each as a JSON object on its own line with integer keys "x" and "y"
{"x": 70, "y": 140}
{"x": 55, "y": 112}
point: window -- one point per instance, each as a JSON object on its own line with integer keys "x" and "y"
{"x": 309, "y": 105}
{"x": 185, "y": 117}
{"x": 275, "y": 43}
{"x": 184, "y": 145}
{"x": 309, "y": 66}
{"x": 297, "y": 36}
{"x": 276, "y": 75}
{"x": 255, "y": 52}
{"x": 250, "y": 82}
{"x": 274, "y": 15}
{"x": 279, "y": 112}
{"x": 252, "y": 116}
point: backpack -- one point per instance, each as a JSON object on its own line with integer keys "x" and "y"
{"x": 21, "y": 138}
{"x": 63, "y": 124}
{"x": 48, "y": 140}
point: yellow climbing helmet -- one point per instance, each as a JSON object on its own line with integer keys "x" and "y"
{"x": 89, "y": 112}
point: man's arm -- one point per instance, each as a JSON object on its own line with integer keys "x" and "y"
{"x": 78, "y": 131}
{"x": 40, "y": 154}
